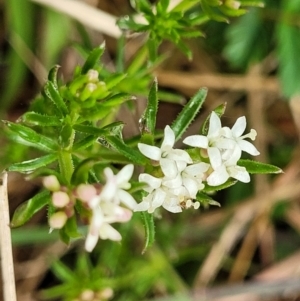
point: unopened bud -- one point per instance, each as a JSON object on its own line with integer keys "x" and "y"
{"x": 58, "y": 220}
{"x": 233, "y": 4}
{"x": 86, "y": 192}
{"x": 60, "y": 199}
{"x": 87, "y": 91}
{"x": 105, "y": 294}
{"x": 92, "y": 75}
{"x": 51, "y": 183}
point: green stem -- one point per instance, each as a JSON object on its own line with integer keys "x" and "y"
{"x": 66, "y": 164}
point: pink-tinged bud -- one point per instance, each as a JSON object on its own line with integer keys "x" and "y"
{"x": 58, "y": 220}
{"x": 87, "y": 295}
{"x": 86, "y": 192}
{"x": 105, "y": 294}
{"x": 51, "y": 183}
{"x": 60, "y": 199}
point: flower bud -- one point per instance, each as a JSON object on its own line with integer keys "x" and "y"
{"x": 233, "y": 4}
{"x": 60, "y": 199}
{"x": 58, "y": 220}
{"x": 51, "y": 183}
{"x": 92, "y": 75}
{"x": 86, "y": 192}
{"x": 87, "y": 91}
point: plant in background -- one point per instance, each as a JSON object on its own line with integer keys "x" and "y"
{"x": 92, "y": 174}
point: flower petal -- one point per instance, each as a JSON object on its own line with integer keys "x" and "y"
{"x": 153, "y": 182}
{"x": 149, "y": 151}
{"x": 191, "y": 186}
{"x": 108, "y": 232}
{"x": 239, "y": 127}
{"x": 143, "y": 206}
{"x": 180, "y": 155}
{"x": 214, "y": 157}
{"x": 126, "y": 198}
{"x": 196, "y": 141}
{"x": 124, "y": 175}
{"x": 91, "y": 242}
{"x": 196, "y": 169}
{"x": 169, "y": 139}
{"x": 248, "y": 147}
{"x": 240, "y": 173}
{"x": 218, "y": 177}
{"x": 214, "y": 125}
{"x": 169, "y": 168}
{"x": 173, "y": 183}
{"x": 158, "y": 198}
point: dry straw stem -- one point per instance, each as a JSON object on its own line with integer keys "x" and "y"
{"x": 184, "y": 80}
{"x": 7, "y": 266}
{"x": 86, "y": 14}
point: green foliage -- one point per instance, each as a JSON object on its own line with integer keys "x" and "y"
{"x": 27, "y": 209}
{"x": 255, "y": 167}
{"x": 287, "y": 36}
{"x": 187, "y": 115}
{"x": 260, "y": 32}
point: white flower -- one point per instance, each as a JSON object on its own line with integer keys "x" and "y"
{"x": 106, "y": 207}
{"x": 192, "y": 177}
{"x": 103, "y": 214}
{"x": 235, "y": 134}
{"x": 224, "y": 171}
{"x": 171, "y": 160}
{"x": 224, "y": 142}
{"x": 114, "y": 189}
{"x": 159, "y": 195}
{"x": 214, "y": 142}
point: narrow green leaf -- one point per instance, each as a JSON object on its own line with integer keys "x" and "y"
{"x": 117, "y": 100}
{"x": 26, "y": 136}
{"x": 132, "y": 154}
{"x": 40, "y": 119}
{"x": 98, "y": 112}
{"x": 71, "y": 228}
{"x": 31, "y": 165}
{"x": 205, "y": 200}
{"x": 62, "y": 272}
{"x": 93, "y": 59}
{"x": 84, "y": 143}
{"x": 149, "y": 227}
{"x": 113, "y": 80}
{"x": 27, "y": 209}
{"x": 81, "y": 172}
{"x": 188, "y": 113}
{"x": 255, "y": 167}
{"x": 148, "y": 120}
{"x": 52, "y": 76}
{"x": 53, "y": 94}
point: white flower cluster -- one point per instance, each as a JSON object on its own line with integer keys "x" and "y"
{"x": 106, "y": 206}
{"x": 182, "y": 178}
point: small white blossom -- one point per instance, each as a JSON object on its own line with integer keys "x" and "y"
{"x": 106, "y": 207}
{"x": 224, "y": 148}
{"x": 223, "y": 170}
{"x": 235, "y": 134}
{"x": 159, "y": 195}
{"x": 171, "y": 160}
{"x": 114, "y": 189}
{"x": 223, "y": 140}
{"x": 192, "y": 177}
